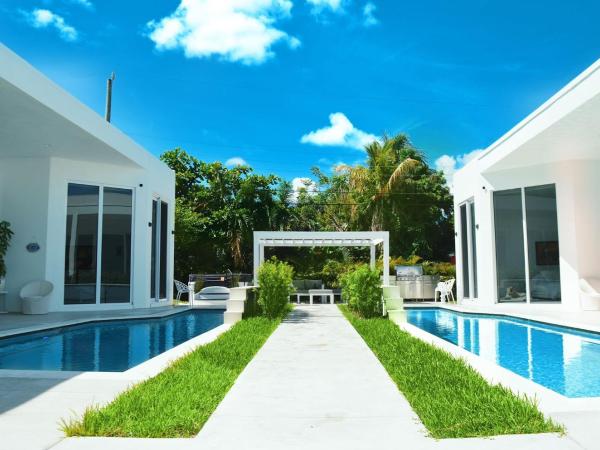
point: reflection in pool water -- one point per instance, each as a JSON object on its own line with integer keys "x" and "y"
{"x": 112, "y": 346}
{"x": 560, "y": 358}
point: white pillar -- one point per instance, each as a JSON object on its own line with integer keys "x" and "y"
{"x": 373, "y": 257}
{"x": 256, "y": 258}
{"x": 386, "y": 260}
{"x": 261, "y": 252}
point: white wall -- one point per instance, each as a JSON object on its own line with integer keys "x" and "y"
{"x": 577, "y": 193}
{"x": 33, "y": 195}
{"x": 24, "y": 200}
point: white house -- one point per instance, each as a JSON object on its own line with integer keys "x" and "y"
{"x": 91, "y": 210}
{"x": 528, "y": 208}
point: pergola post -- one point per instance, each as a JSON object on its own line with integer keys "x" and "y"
{"x": 256, "y": 259}
{"x": 373, "y": 256}
{"x": 386, "y": 260}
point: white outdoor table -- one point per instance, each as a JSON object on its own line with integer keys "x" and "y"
{"x": 320, "y": 293}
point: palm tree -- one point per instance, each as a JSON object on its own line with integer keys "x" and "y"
{"x": 376, "y": 188}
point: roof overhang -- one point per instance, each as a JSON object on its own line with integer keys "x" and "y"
{"x": 564, "y": 128}
{"x": 39, "y": 119}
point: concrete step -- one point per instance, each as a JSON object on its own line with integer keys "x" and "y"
{"x": 394, "y": 303}
{"x": 397, "y": 315}
{"x": 232, "y": 317}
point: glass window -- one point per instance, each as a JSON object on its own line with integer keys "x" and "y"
{"x": 81, "y": 244}
{"x": 510, "y": 257}
{"x": 464, "y": 242}
{"x": 164, "y": 222}
{"x": 116, "y": 246}
{"x": 473, "y": 248}
{"x": 542, "y": 243}
{"x": 153, "y": 257}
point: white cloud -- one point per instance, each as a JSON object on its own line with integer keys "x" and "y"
{"x": 369, "y": 15}
{"x": 85, "y": 3}
{"x": 234, "y": 30}
{"x": 236, "y": 161}
{"x": 449, "y": 164}
{"x": 302, "y": 184}
{"x": 44, "y": 18}
{"x": 318, "y": 6}
{"x": 340, "y": 133}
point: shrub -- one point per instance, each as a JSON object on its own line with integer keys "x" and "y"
{"x": 274, "y": 287}
{"x": 361, "y": 288}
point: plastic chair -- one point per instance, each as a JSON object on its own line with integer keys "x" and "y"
{"x": 34, "y": 296}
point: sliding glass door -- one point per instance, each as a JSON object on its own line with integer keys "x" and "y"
{"x": 98, "y": 245}
{"x": 527, "y": 253}
{"x": 542, "y": 243}
{"x": 510, "y": 259}
{"x": 159, "y": 252}
{"x": 468, "y": 242}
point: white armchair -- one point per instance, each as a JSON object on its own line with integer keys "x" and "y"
{"x": 34, "y": 297}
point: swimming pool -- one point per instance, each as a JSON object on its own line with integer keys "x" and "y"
{"x": 562, "y": 359}
{"x": 111, "y": 346}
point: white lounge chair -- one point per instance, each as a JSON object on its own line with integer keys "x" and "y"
{"x": 589, "y": 294}
{"x": 182, "y": 288}
{"x": 444, "y": 288}
{"x": 34, "y": 297}
{"x": 218, "y": 293}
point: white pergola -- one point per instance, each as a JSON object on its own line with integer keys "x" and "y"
{"x": 369, "y": 239}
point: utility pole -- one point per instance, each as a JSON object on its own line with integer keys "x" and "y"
{"x": 109, "y": 84}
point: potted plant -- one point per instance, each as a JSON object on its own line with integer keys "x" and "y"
{"x": 5, "y": 236}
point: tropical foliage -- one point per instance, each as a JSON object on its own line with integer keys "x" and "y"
{"x": 395, "y": 190}
{"x": 275, "y": 286}
{"x": 361, "y": 288}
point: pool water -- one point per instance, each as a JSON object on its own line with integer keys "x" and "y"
{"x": 562, "y": 359}
{"x": 112, "y": 346}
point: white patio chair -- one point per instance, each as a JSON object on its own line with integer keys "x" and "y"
{"x": 444, "y": 288}
{"x": 182, "y": 288}
{"x": 34, "y": 296}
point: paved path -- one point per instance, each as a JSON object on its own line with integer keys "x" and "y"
{"x": 314, "y": 384}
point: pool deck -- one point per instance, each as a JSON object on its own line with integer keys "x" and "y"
{"x": 542, "y": 312}
{"x": 16, "y": 323}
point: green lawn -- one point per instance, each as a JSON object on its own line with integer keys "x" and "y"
{"x": 178, "y": 401}
{"x": 451, "y": 399}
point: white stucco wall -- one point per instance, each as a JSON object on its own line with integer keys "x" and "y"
{"x": 34, "y": 199}
{"x": 24, "y": 200}
{"x": 578, "y": 211}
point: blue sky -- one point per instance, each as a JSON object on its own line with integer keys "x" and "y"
{"x": 289, "y": 84}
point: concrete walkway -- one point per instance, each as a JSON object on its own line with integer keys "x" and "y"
{"x": 314, "y": 385}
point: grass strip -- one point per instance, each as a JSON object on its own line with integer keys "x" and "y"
{"x": 450, "y": 397}
{"x": 178, "y": 401}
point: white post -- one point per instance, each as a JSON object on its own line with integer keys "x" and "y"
{"x": 261, "y": 253}
{"x": 386, "y": 261}
{"x": 191, "y": 293}
{"x": 373, "y": 256}
{"x": 256, "y": 258}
